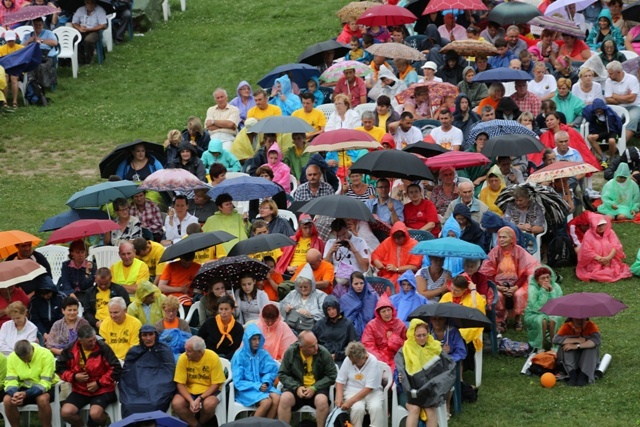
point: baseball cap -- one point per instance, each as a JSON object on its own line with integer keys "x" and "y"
{"x": 305, "y": 219}
{"x": 10, "y": 35}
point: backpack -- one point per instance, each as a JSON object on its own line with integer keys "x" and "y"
{"x": 561, "y": 252}
{"x": 35, "y": 93}
{"x": 338, "y": 418}
{"x": 514, "y": 348}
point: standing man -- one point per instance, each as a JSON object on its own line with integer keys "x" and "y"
{"x": 97, "y": 298}
{"x": 89, "y": 19}
{"x": 129, "y": 271}
{"x": 313, "y": 116}
{"x": 148, "y": 213}
{"x": 120, "y": 330}
{"x": 352, "y": 86}
{"x": 222, "y": 119}
{"x": 446, "y": 135}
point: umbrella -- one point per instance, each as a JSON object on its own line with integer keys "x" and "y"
{"x": 583, "y": 305}
{"x": 282, "y": 124}
{"x": 162, "y": 419}
{"x": 461, "y": 316}
{"x": 396, "y": 51}
{"x": 457, "y": 159}
{"x": 437, "y": 92}
{"x": 314, "y": 54}
{"x": 342, "y": 139}
{"x": 336, "y": 71}
{"x": 109, "y": 164}
{"x": 261, "y": 243}
{"x": 631, "y": 66}
{"x": 246, "y": 188}
{"x": 560, "y": 170}
{"x": 28, "y": 13}
{"x": 172, "y": 180}
{"x": 256, "y": 422}
{"x": 73, "y": 5}
{"x": 392, "y": 164}
{"x": 337, "y": 206}
{"x": 559, "y": 6}
{"x": 425, "y": 149}
{"x": 82, "y": 229}
{"x": 512, "y": 146}
{"x": 513, "y": 12}
{"x": 554, "y": 207}
{"x": 301, "y": 74}
{"x": 501, "y": 74}
{"x": 103, "y": 193}
{"x": 9, "y": 240}
{"x": 441, "y": 5}
{"x": 195, "y": 242}
{"x": 23, "y": 60}
{"x": 631, "y": 12}
{"x": 19, "y": 271}
{"x": 560, "y": 25}
{"x": 495, "y": 128}
{"x": 470, "y": 47}
{"x": 449, "y": 247}
{"x": 386, "y": 15}
{"x": 229, "y": 269}
{"x": 353, "y": 10}
{"x": 72, "y": 215}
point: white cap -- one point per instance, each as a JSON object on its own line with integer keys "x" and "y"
{"x": 10, "y": 35}
{"x": 430, "y": 64}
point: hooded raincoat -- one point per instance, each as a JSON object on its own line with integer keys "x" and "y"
{"x": 595, "y": 38}
{"x": 615, "y": 56}
{"x": 463, "y": 121}
{"x": 313, "y": 302}
{"x": 281, "y": 172}
{"x": 375, "y": 338}
{"x": 335, "y": 334}
{"x": 233, "y": 224}
{"x": 45, "y": 312}
{"x": 476, "y": 92}
{"x": 147, "y": 314}
{"x": 318, "y": 95}
{"x": 452, "y": 264}
{"x": 277, "y": 337}
{"x": 533, "y": 317}
{"x": 243, "y": 106}
{"x": 359, "y": 307}
{"x": 292, "y": 101}
{"x": 390, "y": 253}
{"x": 194, "y": 165}
{"x": 620, "y": 198}
{"x": 406, "y": 302}
{"x": 611, "y": 124}
{"x": 389, "y": 90}
{"x": 222, "y": 156}
{"x": 472, "y": 233}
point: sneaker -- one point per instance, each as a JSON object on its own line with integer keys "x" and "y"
{"x": 582, "y": 380}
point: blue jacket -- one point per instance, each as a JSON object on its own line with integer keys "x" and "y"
{"x": 359, "y": 308}
{"x": 452, "y": 337}
{"x": 224, "y": 157}
{"x": 592, "y": 39}
{"x": 292, "y": 102}
{"x": 406, "y": 302}
{"x": 492, "y": 222}
{"x": 451, "y": 264}
{"x": 613, "y": 120}
{"x": 125, "y": 166}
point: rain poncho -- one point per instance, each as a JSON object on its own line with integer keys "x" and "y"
{"x": 491, "y": 224}
{"x": 224, "y": 157}
{"x": 375, "y": 338}
{"x": 237, "y": 101}
{"x": 451, "y": 264}
{"x": 147, "y": 314}
{"x": 615, "y": 56}
{"x": 476, "y": 92}
{"x": 576, "y": 141}
{"x": 595, "y": 38}
{"x": 533, "y": 317}
{"x": 277, "y": 337}
{"x": 594, "y": 245}
{"x": 624, "y": 196}
{"x": 390, "y": 253}
{"x": 571, "y": 106}
{"x": 336, "y": 334}
{"x": 359, "y": 307}
{"x": 281, "y": 172}
{"x": 612, "y": 122}
{"x": 253, "y": 369}
{"x": 389, "y": 90}
{"x": 292, "y": 101}
{"x": 318, "y": 95}
{"x": 406, "y": 302}
{"x": 314, "y": 300}
{"x": 232, "y": 224}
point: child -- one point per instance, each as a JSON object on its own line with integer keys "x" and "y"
{"x": 504, "y": 55}
{"x": 312, "y": 87}
{"x": 250, "y": 299}
{"x": 217, "y": 154}
{"x": 356, "y": 51}
{"x": 380, "y": 34}
{"x": 273, "y": 280}
{"x": 604, "y": 125}
{"x": 281, "y": 172}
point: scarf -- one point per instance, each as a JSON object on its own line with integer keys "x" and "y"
{"x": 409, "y": 69}
{"x": 569, "y": 329}
{"x": 224, "y": 331}
{"x": 417, "y": 357}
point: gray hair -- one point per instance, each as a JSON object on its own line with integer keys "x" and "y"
{"x": 23, "y": 348}
{"x": 614, "y": 66}
{"x": 513, "y": 28}
{"x": 487, "y": 109}
{"x": 465, "y": 184}
{"x": 560, "y": 134}
{"x": 196, "y": 343}
{"x": 355, "y": 350}
{"x": 86, "y": 331}
{"x": 220, "y": 90}
{"x": 119, "y": 301}
{"x": 521, "y": 192}
{"x": 368, "y": 115}
{"x": 303, "y": 281}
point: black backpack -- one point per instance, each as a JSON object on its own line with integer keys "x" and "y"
{"x": 35, "y": 93}
{"x": 561, "y": 253}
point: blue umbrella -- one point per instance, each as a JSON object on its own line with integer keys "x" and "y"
{"x": 162, "y": 419}
{"x": 23, "y": 60}
{"x": 73, "y": 215}
{"x": 449, "y": 247}
{"x": 495, "y": 128}
{"x": 502, "y": 74}
{"x": 103, "y": 193}
{"x": 301, "y": 74}
{"x": 246, "y": 188}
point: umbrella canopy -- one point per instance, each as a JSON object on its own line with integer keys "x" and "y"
{"x": 195, "y": 242}
{"x": 23, "y": 60}
{"x": 82, "y": 229}
{"x": 554, "y": 207}
{"x": 256, "y": 422}
{"x": 246, "y": 188}
{"x": 18, "y": 271}
{"x": 436, "y": 91}
{"x": 631, "y": 12}
{"x": 28, "y": 13}
{"x": 73, "y": 5}
{"x": 353, "y": 10}
{"x": 459, "y": 315}
{"x": 470, "y": 48}
{"x": 338, "y": 206}
{"x": 457, "y": 159}
{"x": 513, "y": 12}
{"x": 560, "y": 170}
{"x": 392, "y": 164}
{"x": 282, "y": 124}
{"x": 495, "y": 128}
{"x": 396, "y": 51}
{"x": 583, "y": 305}
{"x": 560, "y": 25}
{"x": 440, "y": 5}
{"x": 109, "y": 164}
{"x": 501, "y": 74}
{"x": 512, "y": 145}
{"x": 162, "y": 419}
{"x": 386, "y": 15}
{"x": 336, "y": 71}
{"x": 261, "y": 243}
{"x": 229, "y": 269}
{"x": 559, "y": 5}
{"x": 449, "y": 247}
{"x": 103, "y": 193}
{"x": 72, "y": 215}
{"x": 342, "y": 139}
{"x": 631, "y": 66}
{"x": 172, "y": 180}
{"x": 425, "y": 149}
{"x": 301, "y": 74}
{"x": 9, "y": 240}
{"x": 314, "y": 54}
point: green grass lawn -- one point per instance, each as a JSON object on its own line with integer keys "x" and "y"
{"x": 151, "y": 85}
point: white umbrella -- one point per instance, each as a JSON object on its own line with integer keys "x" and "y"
{"x": 559, "y": 5}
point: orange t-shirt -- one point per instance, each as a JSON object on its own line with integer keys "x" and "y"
{"x": 324, "y": 272}
{"x": 268, "y": 289}
{"x": 179, "y": 276}
{"x": 487, "y": 101}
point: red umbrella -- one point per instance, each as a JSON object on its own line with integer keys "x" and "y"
{"x": 457, "y": 159}
{"x": 342, "y": 139}
{"x": 386, "y": 15}
{"x": 81, "y": 229}
{"x": 28, "y": 13}
{"x": 583, "y": 305}
{"x": 440, "y": 5}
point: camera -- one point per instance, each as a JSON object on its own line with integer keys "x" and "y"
{"x": 344, "y": 243}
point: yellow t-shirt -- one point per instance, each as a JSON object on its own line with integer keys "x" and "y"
{"x": 152, "y": 259}
{"x": 258, "y": 114}
{"x": 315, "y": 118}
{"x": 199, "y": 376}
{"x": 121, "y": 337}
{"x": 6, "y": 50}
{"x": 375, "y": 132}
{"x": 382, "y": 120}
{"x": 308, "y": 378}
{"x": 300, "y": 252}
{"x": 102, "y": 299}
{"x": 274, "y": 253}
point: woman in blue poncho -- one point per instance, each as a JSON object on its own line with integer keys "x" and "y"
{"x": 284, "y": 97}
{"x": 359, "y": 303}
{"x": 407, "y": 299}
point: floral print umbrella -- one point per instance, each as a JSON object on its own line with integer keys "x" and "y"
{"x": 333, "y": 73}
{"x": 437, "y": 92}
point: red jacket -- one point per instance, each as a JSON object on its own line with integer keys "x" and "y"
{"x": 287, "y": 251}
{"x": 375, "y": 337}
{"x": 102, "y": 365}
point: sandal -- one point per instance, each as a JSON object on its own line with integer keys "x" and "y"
{"x": 518, "y": 326}
{"x": 502, "y": 327}
{"x": 15, "y": 105}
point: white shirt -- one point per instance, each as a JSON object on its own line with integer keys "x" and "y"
{"x": 178, "y": 230}
{"x": 403, "y": 138}
{"x": 355, "y": 379}
{"x": 345, "y": 255}
{"x": 435, "y": 79}
{"x": 588, "y": 98}
{"x": 9, "y": 335}
{"x": 351, "y": 121}
{"x": 628, "y": 82}
{"x": 447, "y": 139}
{"x": 543, "y": 88}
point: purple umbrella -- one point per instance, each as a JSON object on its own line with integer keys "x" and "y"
{"x": 28, "y": 13}
{"x": 583, "y": 305}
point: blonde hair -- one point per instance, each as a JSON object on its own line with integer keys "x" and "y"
{"x": 525, "y": 115}
{"x": 495, "y": 86}
{"x": 344, "y": 98}
{"x": 195, "y": 124}
{"x": 171, "y": 302}
{"x": 565, "y": 82}
{"x": 174, "y": 137}
{"x": 272, "y": 204}
{"x": 16, "y": 308}
{"x": 583, "y": 71}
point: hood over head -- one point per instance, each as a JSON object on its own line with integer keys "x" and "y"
{"x": 410, "y": 277}
{"x": 383, "y": 302}
{"x": 145, "y": 289}
{"x": 187, "y": 146}
{"x": 285, "y": 84}
{"x": 215, "y": 146}
{"x": 451, "y": 225}
{"x": 462, "y": 209}
{"x": 507, "y": 104}
{"x": 622, "y": 170}
{"x": 307, "y": 273}
{"x": 598, "y": 104}
{"x": 275, "y": 147}
{"x": 250, "y": 331}
{"x": 605, "y": 13}
{"x": 330, "y": 301}
{"x": 241, "y": 84}
{"x": 386, "y": 72}
{"x": 609, "y": 39}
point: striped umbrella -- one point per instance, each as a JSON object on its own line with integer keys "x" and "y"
{"x": 560, "y": 25}
{"x": 495, "y": 128}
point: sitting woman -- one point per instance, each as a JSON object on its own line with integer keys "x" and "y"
{"x": 281, "y": 172}
{"x": 495, "y": 94}
{"x": 269, "y": 214}
{"x": 343, "y": 117}
{"x": 170, "y": 319}
{"x": 446, "y": 191}
{"x": 254, "y": 373}
{"x": 620, "y": 195}
{"x": 188, "y": 160}
{"x": 525, "y": 213}
{"x": 129, "y": 228}
{"x": 335, "y": 330}
{"x": 567, "y": 103}
{"x": 425, "y": 373}
{"x": 541, "y": 327}
{"x": 216, "y": 290}
{"x": 283, "y": 96}
{"x": 196, "y": 135}
{"x": 78, "y": 273}
{"x": 65, "y": 331}
{"x": 306, "y": 238}
{"x": 602, "y": 29}
{"x": 477, "y": 174}
{"x": 302, "y": 307}
{"x": 277, "y": 335}
{"x": 407, "y": 299}
{"x": 475, "y": 91}
{"x": 431, "y": 281}
{"x": 449, "y": 336}
{"x": 489, "y": 194}
{"x": 509, "y": 267}
{"x": 359, "y": 303}
{"x": 464, "y": 118}
{"x": 600, "y": 257}
{"x": 579, "y": 350}
{"x": 251, "y": 300}
{"x": 358, "y": 189}
{"x": 19, "y": 328}
{"x": 384, "y": 335}
{"x": 222, "y": 333}
{"x": 216, "y": 153}
{"x": 280, "y": 198}
{"x": 139, "y": 165}
{"x": 393, "y": 257}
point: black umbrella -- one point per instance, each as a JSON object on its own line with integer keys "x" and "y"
{"x": 511, "y": 13}
{"x": 459, "y": 315}
{"x": 512, "y": 146}
{"x": 392, "y": 164}
{"x": 256, "y": 422}
{"x": 261, "y": 243}
{"x": 109, "y": 164}
{"x": 425, "y": 149}
{"x": 313, "y": 55}
{"x": 72, "y": 5}
{"x": 195, "y": 242}
{"x": 554, "y": 206}
{"x": 417, "y": 7}
{"x": 229, "y": 269}
{"x": 336, "y": 206}
{"x": 631, "y": 12}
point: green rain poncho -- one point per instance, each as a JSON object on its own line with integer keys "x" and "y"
{"x": 538, "y": 297}
{"x": 625, "y": 196}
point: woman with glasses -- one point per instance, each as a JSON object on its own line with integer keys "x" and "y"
{"x": 343, "y": 117}
{"x": 170, "y": 319}
{"x": 130, "y": 226}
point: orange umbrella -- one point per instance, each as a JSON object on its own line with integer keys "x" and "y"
{"x": 9, "y": 240}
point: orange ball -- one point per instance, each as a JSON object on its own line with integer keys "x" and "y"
{"x": 548, "y": 380}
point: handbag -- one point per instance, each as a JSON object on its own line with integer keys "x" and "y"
{"x": 298, "y": 322}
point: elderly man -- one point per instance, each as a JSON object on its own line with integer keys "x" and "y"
{"x": 450, "y": 30}
{"x": 564, "y": 153}
{"x": 346, "y": 248}
{"x": 352, "y": 86}
{"x": 525, "y": 100}
{"x": 120, "y": 330}
{"x": 30, "y": 373}
{"x": 446, "y": 135}
{"x": 323, "y": 271}
{"x": 368, "y": 126}
{"x": 89, "y": 19}
{"x": 314, "y": 187}
{"x": 92, "y": 369}
{"x": 477, "y": 207}
{"x": 148, "y": 213}
{"x": 222, "y": 119}
{"x": 622, "y": 89}
{"x": 198, "y": 377}
{"x": 306, "y": 373}
{"x": 514, "y": 43}
{"x": 97, "y": 298}
{"x": 177, "y": 220}
{"x": 389, "y": 210}
{"x": 262, "y": 109}
{"x": 129, "y": 271}
{"x": 177, "y": 276}
{"x": 404, "y": 132}
{"x": 313, "y": 116}
{"x": 150, "y": 253}
{"x": 488, "y": 113}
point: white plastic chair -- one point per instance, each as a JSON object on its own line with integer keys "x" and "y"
{"x": 386, "y": 373}
{"x": 166, "y": 10}
{"x": 621, "y": 145}
{"x": 629, "y": 54}
{"x": 236, "y": 408}
{"x": 398, "y": 412}
{"x": 539, "y": 242}
{"x": 107, "y": 34}
{"x": 183, "y": 5}
{"x": 202, "y": 314}
{"x": 23, "y": 32}
{"x": 69, "y": 39}
{"x": 22, "y": 86}
{"x": 104, "y": 256}
{"x": 2, "y": 30}
{"x": 371, "y": 106}
{"x": 113, "y": 411}
{"x": 221, "y": 409}
{"x": 294, "y": 183}
{"x": 326, "y": 109}
{"x": 339, "y": 190}
{"x": 55, "y": 255}
{"x": 55, "y": 409}
{"x": 289, "y": 216}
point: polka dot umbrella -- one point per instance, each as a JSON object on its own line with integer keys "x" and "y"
{"x": 229, "y": 269}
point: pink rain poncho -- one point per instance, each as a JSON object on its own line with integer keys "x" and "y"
{"x": 384, "y": 339}
{"x": 281, "y": 172}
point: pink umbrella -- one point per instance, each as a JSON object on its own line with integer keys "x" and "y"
{"x": 343, "y": 139}
{"x": 440, "y": 5}
{"x": 457, "y": 159}
{"x": 28, "y": 13}
{"x": 172, "y": 180}
{"x": 82, "y": 229}
{"x": 583, "y": 305}
{"x": 386, "y": 15}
